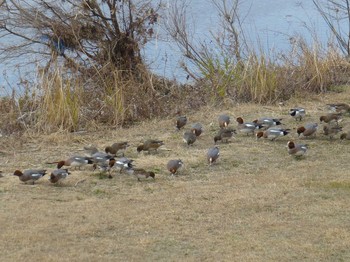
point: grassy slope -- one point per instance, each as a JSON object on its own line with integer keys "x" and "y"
{"x": 256, "y": 204}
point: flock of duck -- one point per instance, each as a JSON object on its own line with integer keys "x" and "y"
{"x": 265, "y": 127}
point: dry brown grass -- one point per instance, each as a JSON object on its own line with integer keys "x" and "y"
{"x": 268, "y": 77}
{"x": 256, "y": 204}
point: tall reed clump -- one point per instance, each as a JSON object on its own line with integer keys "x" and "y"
{"x": 9, "y": 116}
{"x": 113, "y": 99}
{"x": 259, "y": 78}
{"x": 218, "y": 72}
{"x": 315, "y": 69}
{"x": 256, "y": 81}
{"x": 253, "y": 79}
{"x": 60, "y": 101}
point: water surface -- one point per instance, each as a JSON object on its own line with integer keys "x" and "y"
{"x": 268, "y": 24}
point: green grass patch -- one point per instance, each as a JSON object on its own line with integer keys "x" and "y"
{"x": 338, "y": 88}
{"x": 99, "y": 192}
{"x": 343, "y": 185}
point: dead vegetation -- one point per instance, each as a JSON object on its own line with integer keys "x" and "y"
{"x": 92, "y": 72}
{"x": 62, "y": 102}
{"x": 257, "y": 203}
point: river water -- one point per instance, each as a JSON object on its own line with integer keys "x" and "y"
{"x": 268, "y": 24}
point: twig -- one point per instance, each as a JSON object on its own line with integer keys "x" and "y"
{"x": 80, "y": 181}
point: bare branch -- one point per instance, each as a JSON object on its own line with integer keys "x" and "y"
{"x": 330, "y": 15}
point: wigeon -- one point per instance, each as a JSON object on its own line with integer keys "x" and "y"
{"x": 189, "y": 138}
{"x": 331, "y": 130}
{"x": 224, "y": 121}
{"x": 307, "y": 130}
{"x": 73, "y": 161}
{"x": 150, "y": 145}
{"x": 340, "y": 107}
{"x": 297, "y": 113}
{"x": 345, "y": 136}
{"x": 174, "y": 166}
{"x": 295, "y": 149}
{"x": 197, "y": 129}
{"x": 181, "y": 121}
{"x": 141, "y": 173}
{"x": 30, "y": 175}
{"x": 105, "y": 166}
{"x": 58, "y": 174}
{"x": 247, "y": 127}
{"x": 116, "y": 147}
{"x": 100, "y": 157}
{"x": 213, "y": 154}
{"x": 267, "y": 122}
{"x": 272, "y": 133}
{"x": 103, "y": 161}
{"x": 332, "y": 117}
{"x": 123, "y": 163}
{"x": 224, "y": 135}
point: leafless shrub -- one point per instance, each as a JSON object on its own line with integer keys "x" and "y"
{"x": 82, "y": 35}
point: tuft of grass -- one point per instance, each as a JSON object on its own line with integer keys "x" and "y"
{"x": 338, "y": 88}
{"x": 343, "y": 185}
{"x": 9, "y": 116}
{"x": 148, "y": 189}
{"x": 100, "y": 175}
{"x": 59, "y": 103}
{"x": 99, "y": 192}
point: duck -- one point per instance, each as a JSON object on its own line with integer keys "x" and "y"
{"x": 197, "y": 129}
{"x": 181, "y": 121}
{"x": 141, "y": 173}
{"x": 213, "y": 154}
{"x": 267, "y": 122}
{"x": 174, "y": 166}
{"x": 247, "y": 127}
{"x": 331, "y": 117}
{"x": 272, "y": 133}
{"x": 345, "y": 136}
{"x": 105, "y": 166}
{"x": 103, "y": 161}
{"x": 58, "y": 174}
{"x": 295, "y": 149}
{"x": 100, "y": 157}
{"x": 297, "y": 113}
{"x": 224, "y": 135}
{"x": 114, "y": 148}
{"x": 123, "y": 163}
{"x": 73, "y": 161}
{"x": 189, "y": 138}
{"x": 150, "y": 145}
{"x": 342, "y": 108}
{"x": 1, "y": 175}
{"x": 307, "y": 130}
{"x": 331, "y": 130}
{"x": 30, "y": 175}
{"x": 224, "y": 121}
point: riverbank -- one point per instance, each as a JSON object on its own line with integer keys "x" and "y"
{"x": 257, "y": 203}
